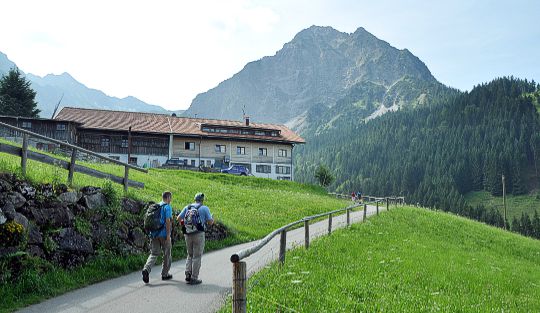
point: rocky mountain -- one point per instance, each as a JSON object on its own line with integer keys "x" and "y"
{"x": 321, "y": 68}
{"x": 50, "y": 88}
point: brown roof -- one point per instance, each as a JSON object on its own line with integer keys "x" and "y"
{"x": 166, "y": 124}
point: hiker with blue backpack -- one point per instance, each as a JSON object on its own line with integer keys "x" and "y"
{"x": 194, "y": 219}
{"x": 158, "y": 221}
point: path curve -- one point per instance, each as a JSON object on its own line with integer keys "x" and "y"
{"x": 128, "y": 294}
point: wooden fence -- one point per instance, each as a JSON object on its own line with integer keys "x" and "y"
{"x": 239, "y": 288}
{"x": 70, "y": 166}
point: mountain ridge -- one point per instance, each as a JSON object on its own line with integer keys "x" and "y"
{"x": 51, "y": 88}
{"x": 317, "y": 68}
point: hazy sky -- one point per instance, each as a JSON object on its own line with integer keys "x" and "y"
{"x": 166, "y": 52}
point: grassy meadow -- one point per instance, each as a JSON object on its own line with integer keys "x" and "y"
{"x": 405, "y": 260}
{"x": 515, "y": 205}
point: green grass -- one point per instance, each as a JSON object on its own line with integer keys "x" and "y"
{"x": 515, "y": 205}
{"x": 251, "y": 207}
{"x": 405, "y": 260}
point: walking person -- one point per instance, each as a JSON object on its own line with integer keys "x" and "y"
{"x": 194, "y": 218}
{"x": 161, "y": 240}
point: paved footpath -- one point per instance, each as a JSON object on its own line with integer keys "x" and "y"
{"x": 130, "y": 295}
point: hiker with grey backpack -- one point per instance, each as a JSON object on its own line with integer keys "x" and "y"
{"x": 194, "y": 219}
{"x": 158, "y": 221}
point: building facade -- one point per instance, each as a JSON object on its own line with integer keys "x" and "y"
{"x": 148, "y": 140}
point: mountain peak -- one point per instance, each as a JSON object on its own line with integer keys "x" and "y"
{"x": 318, "y": 67}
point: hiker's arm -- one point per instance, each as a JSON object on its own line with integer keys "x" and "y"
{"x": 168, "y": 226}
{"x": 210, "y": 222}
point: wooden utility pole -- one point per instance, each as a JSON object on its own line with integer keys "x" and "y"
{"x": 504, "y": 203}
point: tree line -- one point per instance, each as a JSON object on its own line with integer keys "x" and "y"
{"x": 435, "y": 154}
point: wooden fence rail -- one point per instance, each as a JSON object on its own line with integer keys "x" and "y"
{"x": 71, "y": 166}
{"x": 239, "y": 290}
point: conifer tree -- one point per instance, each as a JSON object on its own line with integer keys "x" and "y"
{"x": 17, "y": 98}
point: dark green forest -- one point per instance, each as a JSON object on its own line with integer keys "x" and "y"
{"x": 434, "y": 154}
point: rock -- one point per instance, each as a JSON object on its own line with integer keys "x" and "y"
{"x": 6, "y": 251}
{"x": 90, "y": 190}
{"x": 78, "y": 209}
{"x": 46, "y": 190}
{"x": 15, "y": 198}
{"x": 34, "y": 250}
{"x": 132, "y": 206}
{"x": 26, "y": 190}
{"x": 3, "y": 218}
{"x": 99, "y": 233}
{"x": 57, "y": 216}
{"x": 94, "y": 201}
{"x": 138, "y": 238}
{"x": 61, "y": 188}
{"x": 34, "y": 235}
{"x": 123, "y": 232}
{"x": 21, "y": 219}
{"x": 69, "y": 240}
{"x": 68, "y": 259}
{"x": 70, "y": 197}
{"x": 9, "y": 211}
{"x": 5, "y": 186}
{"x": 25, "y": 209}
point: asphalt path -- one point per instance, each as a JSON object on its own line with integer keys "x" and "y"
{"x": 128, "y": 294}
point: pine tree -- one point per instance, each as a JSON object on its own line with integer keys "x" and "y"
{"x": 17, "y": 98}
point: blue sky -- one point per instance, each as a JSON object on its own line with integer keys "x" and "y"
{"x": 165, "y": 52}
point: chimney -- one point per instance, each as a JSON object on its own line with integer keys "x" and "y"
{"x": 246, "y": 118}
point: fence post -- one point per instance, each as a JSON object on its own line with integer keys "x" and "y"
{"x": 377, "y": 203}
{"x": 348, "y": 217}
{"x": 387, "y": 204}
{"x": 365, "y": 212}
{"x": 72, "y": 166}
{"x": 239, "y": 295}
{"x": 306, "y": 228}
{"x": 282, "y": 247}
{"x": 126, "y": 180}
{"x": 24, "y": 154}
{"x": 329, "y": 223}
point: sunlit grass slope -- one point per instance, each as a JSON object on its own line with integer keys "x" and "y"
{"x": 406, "y": 260}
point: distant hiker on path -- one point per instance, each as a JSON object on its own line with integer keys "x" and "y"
{"x": 194, "y": 219}
{"x": 158, "y": 220}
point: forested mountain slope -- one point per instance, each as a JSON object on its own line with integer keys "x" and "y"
{"x": 435, "y": 154}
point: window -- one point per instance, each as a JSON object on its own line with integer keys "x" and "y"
{"x": 221, "y": 149}
{"x": 246, "y": 132}
{"x": 260, "y": 133}
{"x": 283, "y": 170}
{"x": 125, "y": 143}
{"x": 105, "y": 141}
{"x": 133, "y": 161}
{"x": 241, "y": 150}
{"x": 189, "y": 146}
{"x": 185, "y": 162}
{"x": 263, "y": 169}
{"x": 192, "y": 162}
{"x": 26, "y": 124}
{"x": 263, "y": 151}
{"x": 274, "y": 134}
{"x": 282, "y": 153}
{"x": 61, "y": 127}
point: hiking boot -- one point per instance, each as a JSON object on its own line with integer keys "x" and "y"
{"x": 145, "y": 275}
{"x": 194, "y": 281}
{"x": 166, "y": 277}
{"x": 188, "y": 276}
